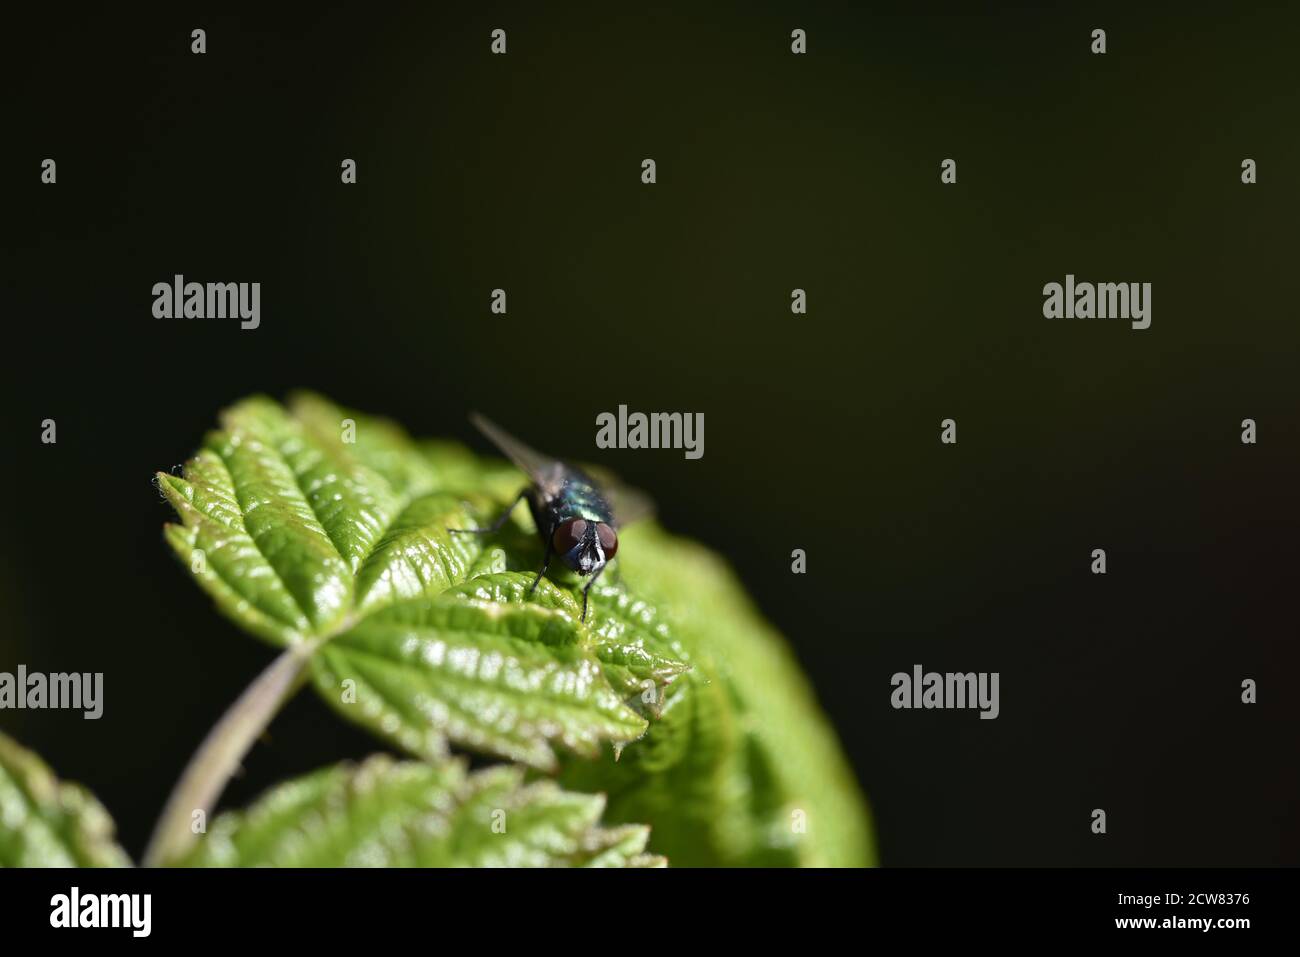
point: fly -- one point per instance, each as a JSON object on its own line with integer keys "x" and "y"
{"x": 573, "y": 514}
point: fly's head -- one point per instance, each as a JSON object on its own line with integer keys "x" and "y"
{"x": 584, "y": 545}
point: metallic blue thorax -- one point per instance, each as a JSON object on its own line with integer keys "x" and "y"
{"x": 578, "y": 497}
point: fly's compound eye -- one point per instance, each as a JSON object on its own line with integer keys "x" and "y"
{"x": 569, "y": 535}
{"x": 608, "y": 539}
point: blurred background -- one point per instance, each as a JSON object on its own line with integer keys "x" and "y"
{"x": 822, "y": 431}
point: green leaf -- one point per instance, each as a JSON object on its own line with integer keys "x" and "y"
{"x": 324, "y": 526}
{"x": 742, "y": 768}
{"x": 383, "y": 813}
{"x": 636, "y": 649}
{"x": 47, "y": 823}
{"x": 716, "y": 739}
{"x": 505, "y": 679}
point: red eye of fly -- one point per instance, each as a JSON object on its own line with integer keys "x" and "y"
{"x": 608, "y": 539}
{"x": 568, "y": 535}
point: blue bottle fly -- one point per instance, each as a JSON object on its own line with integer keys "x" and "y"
{"x": 573, "y": 514}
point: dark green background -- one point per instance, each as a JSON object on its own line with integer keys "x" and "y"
{"x": 775, "y": 172}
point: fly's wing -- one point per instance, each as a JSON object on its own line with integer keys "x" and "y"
{"x": 545, "y": 472}
{"x": 628, "y": 504}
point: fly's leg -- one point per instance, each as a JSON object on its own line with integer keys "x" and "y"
{"x": 594, "y": 575}
{"x": 495, "y": 526}
{"x": 546, "y": 563}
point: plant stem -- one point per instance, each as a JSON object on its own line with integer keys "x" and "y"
{"x": 221, "y": 752}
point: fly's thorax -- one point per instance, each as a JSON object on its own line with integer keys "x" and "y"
{"x": 580, "y": 498}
